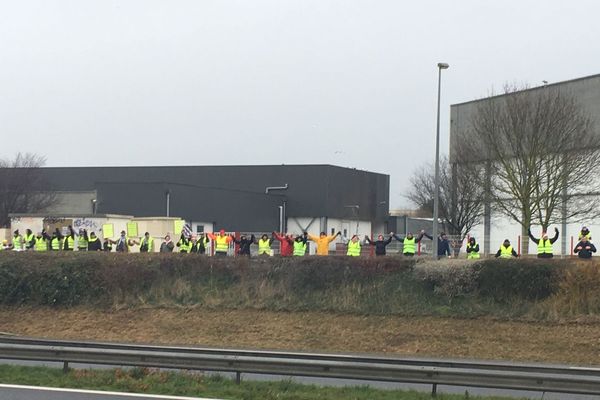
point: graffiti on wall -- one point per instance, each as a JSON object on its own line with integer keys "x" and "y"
{"x": 53, "y": 220}
{"x": 86, "y": 223}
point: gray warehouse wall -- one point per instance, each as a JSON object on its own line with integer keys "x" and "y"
{"x": 232, "y": 195}
{"x": 586, "y": 90}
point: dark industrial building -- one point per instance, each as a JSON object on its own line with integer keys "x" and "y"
{"x": 241, "y": 198}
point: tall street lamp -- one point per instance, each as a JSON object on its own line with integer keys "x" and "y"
{"x": 436, "y": 196}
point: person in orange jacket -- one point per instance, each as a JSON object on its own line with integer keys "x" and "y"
{"x": 323, "y": 242}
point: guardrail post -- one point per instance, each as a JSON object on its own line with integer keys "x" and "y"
{"x": 238, "y": 377}
{"x": 434, "y": 390}
{"x": 65, "y": 367}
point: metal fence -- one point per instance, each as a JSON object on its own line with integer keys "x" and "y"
{"x": 534, "y": 377}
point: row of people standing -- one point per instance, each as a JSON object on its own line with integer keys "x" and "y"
{"x": 56, "y": 241}
{"x": 295, "y": 245}
{"x": 584, "y": 248}
{"x": 290, "y": 245}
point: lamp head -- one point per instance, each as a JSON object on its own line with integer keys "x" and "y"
{"x": 443, "y": 66}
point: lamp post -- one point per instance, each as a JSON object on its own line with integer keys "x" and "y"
{"x": 436, "y": 196}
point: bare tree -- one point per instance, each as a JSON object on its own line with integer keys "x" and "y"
{"x": 461, "y": 196}
{"x": 21, "y": 186}
{"x": 540, "y": 144}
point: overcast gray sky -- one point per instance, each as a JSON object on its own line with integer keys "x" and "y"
{"x": 211, "y": 82}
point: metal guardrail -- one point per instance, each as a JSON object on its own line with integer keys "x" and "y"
{"x": 534, "y": 377}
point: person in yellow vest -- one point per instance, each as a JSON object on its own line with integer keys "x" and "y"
{"x": 147, "y": 244}
{"x": 506, "y": 250}
{"x": 472, "y": 249}
{"x": 585, "y": 232}
{"x": 409, "y": 243}
{"x": 220, "y": 242}
{"x": 17, "y": 241}
{"x": 56, "y": 241}
{"x": 184, "y": 244}
{"x": 199, "y": 243}
{"x": 42, "y": 240}
{"x": 69, "y": 240}
{"x": 6, "y": 245}
{"x": 94, "y": 243}
{"x": 264, "y": 245}
{"x": 323, "y": 242}
{"x": 299, "y": 246}
{"x": 29, "y": 240}
{"x": 353, "y": 247}
{"x": 544, "y": 244}
{"x": 82, "y": 240}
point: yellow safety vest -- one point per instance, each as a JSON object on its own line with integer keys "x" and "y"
{"x": 222, "y": 244}
{"x": 41, "y": 244}
{"x": 544, "y": 246}
{"x": 472, "y": 254}
{"x": 150, "y": 244}
{"x": 264, "y": 247}
{"x": 588, "y": 236}
{"x": 184, "y": 246}
{"x": 408, "y": 245}
{"x": 506, "y": 252}
{"x": 17, "y": 242}
{"x": 299, "y": 248}
{"x": 353, "y": 249}
{"x": 56, "y": 243}
{"x": 82, "y": 244}
{"x": 29, "y": 239}
{"x": 69, "y": 242}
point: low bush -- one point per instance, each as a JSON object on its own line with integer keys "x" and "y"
{"x": 380, "y": 285}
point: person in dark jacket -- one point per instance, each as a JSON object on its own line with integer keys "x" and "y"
{"x": 544, "y": 244}
{"x": 380, "y": 244}
{"x": 107, "y": 245}
{"x": 244, "y": 243}
{"x": 443, "y": 245}
{"x": 94, "y": 243}
{"x": 585, "y": 248}
{"x": 167, "y": 245}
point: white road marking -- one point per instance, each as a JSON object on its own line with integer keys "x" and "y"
{"x": 101, "y": 392}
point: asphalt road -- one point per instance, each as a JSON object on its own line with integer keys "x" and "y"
{"x": 6, "y": 393}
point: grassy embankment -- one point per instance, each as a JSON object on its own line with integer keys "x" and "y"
{"x": 529, "y": 288}
{"x": 143, "y": 380}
